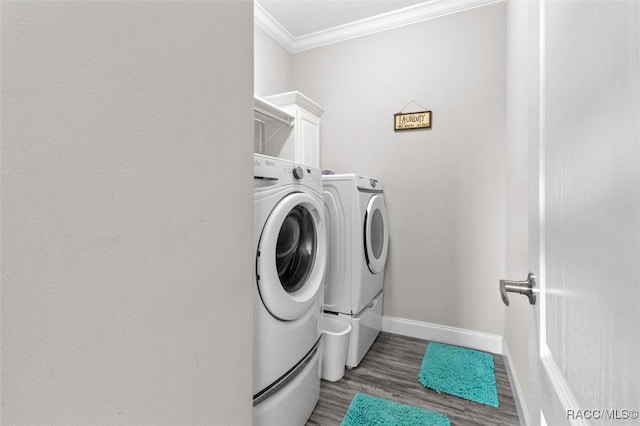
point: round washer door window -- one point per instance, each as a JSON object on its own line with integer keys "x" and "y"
{"x": 296, "y": 249}
{"x": 291, "y": 256}
{"x": 376, "y": 234}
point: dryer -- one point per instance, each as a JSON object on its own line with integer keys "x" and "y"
{"x": 358, "y": 238}
{"x": 290, "y": 255}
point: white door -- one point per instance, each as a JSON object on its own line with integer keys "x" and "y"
{"x": 307, "y": 131}
{"x": 376, "y": 234}
{"x": 585, "y": 211}
{"x": 291, "y": 256}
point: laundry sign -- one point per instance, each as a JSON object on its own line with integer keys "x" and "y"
{"x": 412, "y": 120}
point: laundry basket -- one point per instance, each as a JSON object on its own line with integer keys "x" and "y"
{"x": 334, "y": 352}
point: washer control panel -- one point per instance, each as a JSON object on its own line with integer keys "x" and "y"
{"x": 286, "y": 172}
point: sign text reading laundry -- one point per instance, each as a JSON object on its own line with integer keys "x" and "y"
{"x": 412, "y": 120}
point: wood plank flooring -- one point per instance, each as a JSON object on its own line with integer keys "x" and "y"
{"x": 390, "y": 370}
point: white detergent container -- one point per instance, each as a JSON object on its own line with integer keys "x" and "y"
{"x": 334, "y": 352}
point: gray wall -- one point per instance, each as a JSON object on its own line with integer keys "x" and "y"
{"x": 273, "y": 65}
{"x": 445, "y": 187}
{"x": 126, "y": 204}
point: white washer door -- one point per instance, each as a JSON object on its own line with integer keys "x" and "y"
{"x": 376, "y": 234}
{"x": 291, "y": 256}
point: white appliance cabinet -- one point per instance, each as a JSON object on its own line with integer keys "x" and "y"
{"x": 302, "y": 143}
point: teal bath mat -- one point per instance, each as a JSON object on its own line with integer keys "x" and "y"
{"x": 458, "y": 371}
{"x": 366, "y": 410}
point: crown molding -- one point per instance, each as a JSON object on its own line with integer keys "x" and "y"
{"x": 268, "y": 23}
{"x": 386, "y": 21}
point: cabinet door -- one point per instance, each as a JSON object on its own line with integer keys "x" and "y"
{"x": 307, "y": 138}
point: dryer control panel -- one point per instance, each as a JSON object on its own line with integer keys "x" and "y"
{"x": 368, "y": 184}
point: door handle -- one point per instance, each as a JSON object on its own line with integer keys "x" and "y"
{"x": 521, "y": 287}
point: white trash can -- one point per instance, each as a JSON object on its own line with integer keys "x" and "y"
{"x": 334, "y": 352}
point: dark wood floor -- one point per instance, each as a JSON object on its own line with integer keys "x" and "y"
{"x": 390, "y": 370}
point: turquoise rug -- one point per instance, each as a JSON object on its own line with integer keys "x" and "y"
{"x": 366, "y": 410}
{"x": 458, "y": 371}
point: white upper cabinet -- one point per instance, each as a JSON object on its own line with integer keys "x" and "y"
{"x": 300, "y": 143}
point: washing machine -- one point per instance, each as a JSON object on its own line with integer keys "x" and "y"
{"x": 358, "y": 238}
{"x": 290, "y": 244}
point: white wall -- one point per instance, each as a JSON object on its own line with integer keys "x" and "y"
{"x": 126, "y": 204}
{"x": 445, "y": 187}
{"x": 273, "y": 65}
{"x": 516, "y": 335}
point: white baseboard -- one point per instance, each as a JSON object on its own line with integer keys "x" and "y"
{"x": 516, "y": 389}
{"x": 440, "y": 333}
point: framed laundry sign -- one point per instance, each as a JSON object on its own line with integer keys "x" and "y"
{"x": 412, "y": 120}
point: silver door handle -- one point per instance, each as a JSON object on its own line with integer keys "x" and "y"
{"x": 521, "y": 287}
